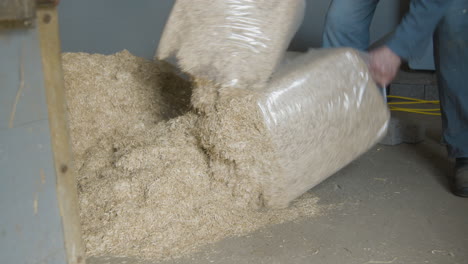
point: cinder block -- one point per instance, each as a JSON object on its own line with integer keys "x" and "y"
{"x": 403, "y": 131}
{"x": 431, "y": 92}
{"x": 408, "y": 90}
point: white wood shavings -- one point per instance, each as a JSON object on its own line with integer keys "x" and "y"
{"x": 239, "y": 147}
{"x": 229, "y": 43}
{"x": 146, "y": 188}
{"x": 100, "y": 95}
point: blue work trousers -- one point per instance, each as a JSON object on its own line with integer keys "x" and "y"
{"x": 347, "y": 25}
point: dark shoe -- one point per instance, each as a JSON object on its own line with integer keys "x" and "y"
{"x": 460, "y": 184}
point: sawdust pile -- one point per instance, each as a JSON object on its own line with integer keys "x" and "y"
{"x": 100, "y": 102}
{"x": 318, "y": 113}
{"x": 146, "y": 186}
{"x": 234, "y": 43}
{"x": 236, "y": 139}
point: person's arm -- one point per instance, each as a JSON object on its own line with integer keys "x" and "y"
{"x": 416, "y": 27}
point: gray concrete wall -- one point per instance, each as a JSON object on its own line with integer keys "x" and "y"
{"x": 108, "y": 26}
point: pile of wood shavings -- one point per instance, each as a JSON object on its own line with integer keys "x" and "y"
{"x": 145, "y": 185}
{"x": 242, "y": 154}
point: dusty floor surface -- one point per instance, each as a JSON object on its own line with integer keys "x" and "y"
{"x": 393, "y": 205}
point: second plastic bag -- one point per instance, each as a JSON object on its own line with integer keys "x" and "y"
{"x": 229, "y": 43}
{"x": 319, "y": 112}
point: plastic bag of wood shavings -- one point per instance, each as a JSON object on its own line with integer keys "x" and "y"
{"x": 235, "y": 43}
{"x": 318, "y": 113}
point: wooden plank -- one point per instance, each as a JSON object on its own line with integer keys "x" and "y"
{"x": 16, "y": 13}
{"x": 61, "y": 145}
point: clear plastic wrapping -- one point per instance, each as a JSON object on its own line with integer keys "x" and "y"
{"x": 317, "y": 114}
{"x": 229, "y": 43}
{"x": 322, "y": 112}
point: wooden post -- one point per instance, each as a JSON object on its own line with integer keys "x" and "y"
{"x": 67, "y": 195}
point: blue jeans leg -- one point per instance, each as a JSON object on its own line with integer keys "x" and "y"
{"x": 451, "y": 56}
{"x": 347, "y": 23}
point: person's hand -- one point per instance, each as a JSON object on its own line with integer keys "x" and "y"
{"x": 384, "y": 65}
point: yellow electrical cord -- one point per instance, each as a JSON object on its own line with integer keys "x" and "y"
{"x": 423, "y": 111}
{"x": 412, "y": 99}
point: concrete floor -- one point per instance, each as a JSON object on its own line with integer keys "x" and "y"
{"x": 394, "y": 206}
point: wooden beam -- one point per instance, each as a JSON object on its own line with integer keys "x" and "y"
{"x": 47, "y": 20}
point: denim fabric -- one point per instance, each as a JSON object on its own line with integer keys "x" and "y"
{"x": 451, "y": 57}
{"x": 347, "y": 25}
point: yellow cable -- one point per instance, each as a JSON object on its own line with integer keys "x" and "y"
{"x": 428, "y": 111}
{"x": 418, "y": 109}
{"x": 411, "y": 99}
{"x": 405, "y": 103}
{"x": 416, "y": 112}
{"x": 404, "y": 98}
